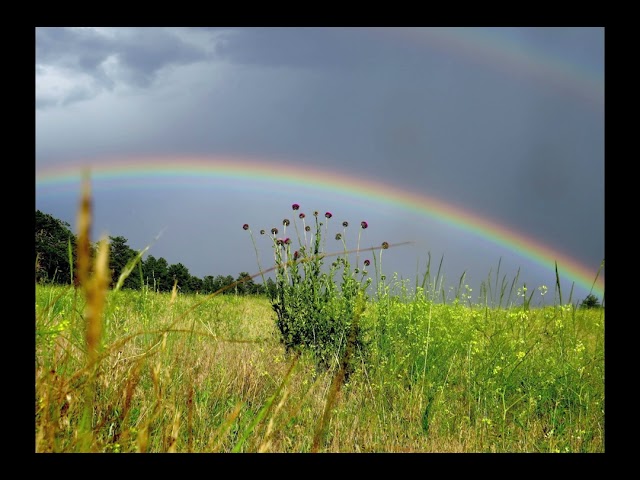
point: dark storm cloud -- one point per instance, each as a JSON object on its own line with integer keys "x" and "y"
{"x": 81, "y": 49}
{"x": 129, "y": 56}
{"x": 299, "y": 47}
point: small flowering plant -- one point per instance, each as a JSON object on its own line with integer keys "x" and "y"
{"x": 318, "y": 306}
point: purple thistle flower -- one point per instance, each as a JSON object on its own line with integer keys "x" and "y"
{"x": 302, "y": 215}
{"x": 287, "y": 241}
{"x": 328, "y": 215}
{"x": 296, "y": 255}
{"x": 367, "y": 263}
{"x": 295, "y": 206}
{"x": 279, "y": 241}
{"x": 345, "y": 224}
{"x": 364, "y": 225}
{"x": 274, "y": 231}
{"x": 245, "y": 226}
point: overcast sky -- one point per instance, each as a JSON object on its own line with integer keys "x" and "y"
{"x": 506, "y": 124}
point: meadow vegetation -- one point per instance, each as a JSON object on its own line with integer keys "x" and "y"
{"x": 329, "y": 360}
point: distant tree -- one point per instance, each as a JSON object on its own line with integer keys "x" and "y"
{"x": 247, "y": 286}
{"x": 195, "y": 284}
{"x": 156, "y": 274}
{"x": 217, "y": 283}
{"x": 52, "y": 249}
{"x": 119, "y": 255}
{"x": 227, "y": 281}
{"x": 180, "y": 273}
{"x": 208, "y": 285}
{"x": 270, "y": 288}
{"x": 258, "y": 289}
{"x": 591, "y": 301}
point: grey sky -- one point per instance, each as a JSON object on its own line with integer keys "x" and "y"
{"x": 505, "y": 122}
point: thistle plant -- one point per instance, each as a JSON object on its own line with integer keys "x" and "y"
{"x": 318, "y": 306}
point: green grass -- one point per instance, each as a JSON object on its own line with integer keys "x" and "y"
{"x": 193, "y": 376}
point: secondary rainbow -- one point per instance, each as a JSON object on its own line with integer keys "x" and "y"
{"x": 499, "y": 50}
{"x": 274, "y": 173}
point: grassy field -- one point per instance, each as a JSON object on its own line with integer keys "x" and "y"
{"x": 373, "y": 367}
{"x": 185, "y": 375}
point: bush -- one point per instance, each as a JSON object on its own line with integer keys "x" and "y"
{"x": 591, "y": 301}
{"x": 314, "y": 311}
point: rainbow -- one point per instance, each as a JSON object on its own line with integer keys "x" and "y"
{"x": 277, "y": 173}
{"x": 493, "y": 47}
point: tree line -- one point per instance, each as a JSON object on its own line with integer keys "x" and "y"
{"x": 55, "y": 260}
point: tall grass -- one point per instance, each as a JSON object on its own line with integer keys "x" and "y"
{"x": 140, "y": 371}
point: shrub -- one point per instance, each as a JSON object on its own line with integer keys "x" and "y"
{"x": 591, "y": 301}
{"x": 318, "y": 307}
